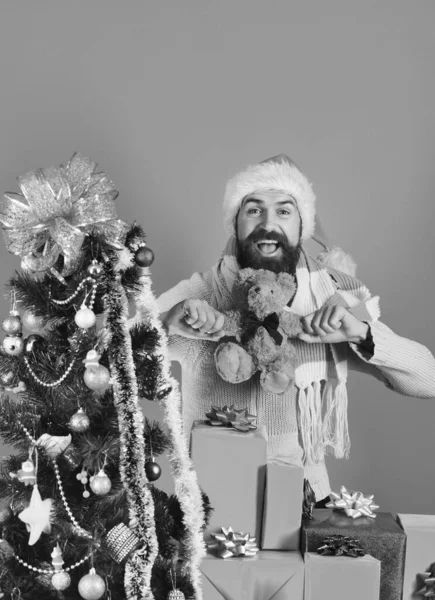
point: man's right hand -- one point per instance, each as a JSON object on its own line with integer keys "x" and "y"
{"x": 194, "y": 319}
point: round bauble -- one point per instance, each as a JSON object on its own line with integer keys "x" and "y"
{"x": 8, "y": 378}
{"x": 176, "y": 595}
{"x": 33, "y": 322}
{"x": 92, "y": 586}
{"x": 85, "y": 318}
{"x": 95, "y": 270}
{"x": 79, "y": 422}
{"x": 61, "y": 581}
{"x": 6, "y": 515}
{"x": 96, "y": 378}
{"x": 144, "y": 256}
{"x": 12, "y": 325}
{"x": 33, "y": 342}
{"x": 13, "y": 345}
{"x": 152, "y": 470}
{"x": 100, "y": 484}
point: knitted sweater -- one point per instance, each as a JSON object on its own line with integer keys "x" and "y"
{"x": 401, "y": 364}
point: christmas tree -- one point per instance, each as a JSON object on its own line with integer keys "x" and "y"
{"x": 82, "y": 517}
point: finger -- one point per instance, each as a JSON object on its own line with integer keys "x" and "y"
{"x": 190, "y": 311}
{"x": 218, "y": 324}
{"x": 306, "y": 324}
{"x": 325, "y": 321}
{"x": 337, "y": 316}
{"x": 201, "y": 318}
{"x": 211, "y": 316}
{"x": 310, "y": 339}
{"x": 321, "y": 316}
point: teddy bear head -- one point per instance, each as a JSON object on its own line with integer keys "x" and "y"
{"x": 264, "y": 291}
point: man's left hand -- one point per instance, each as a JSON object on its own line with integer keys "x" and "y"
{"x": 332, "y": 325}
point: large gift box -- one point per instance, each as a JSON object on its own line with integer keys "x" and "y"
{"x": 282, "y": 506}
{"x": 230, "y": 466}
{"x": 269, "y": 574}
{"x": 420, "y": 551}
{"x": 382, "y": 537}
{"x": 341, "y": 577}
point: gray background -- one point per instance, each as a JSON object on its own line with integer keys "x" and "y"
{"x": 171, "y": 98}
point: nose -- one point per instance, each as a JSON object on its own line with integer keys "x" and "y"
{"x": 269, "y": 220}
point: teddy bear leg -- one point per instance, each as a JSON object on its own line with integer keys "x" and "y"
{"x": 233, "y": 363}
{"x": 277, "y": 376}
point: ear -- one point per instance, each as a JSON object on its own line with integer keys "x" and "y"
{"x": 286, "y": 281}
{"x": 245, "y": 275}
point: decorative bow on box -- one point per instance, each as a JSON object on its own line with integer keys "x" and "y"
{"x": 231, "y": 417}
{"x": 63, "y": 205}
{"x": 229, "y": 544}
{"x": 354, "y": 504}
{"x": 341, "y": 545}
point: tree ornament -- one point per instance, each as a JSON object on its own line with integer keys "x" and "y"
{"x": 79, "y": 422}
{"x": 176, "y": 595}
{"x": 37, "y": 516}
{"x": 60, "y": 580}
{"x": 152, "y": 470}
{"x": 96, "y": 376}
{"x": 92, "y": 586}
{"x": 6, "y": 515}
{"x": 13, "y": 345}
{"x": 95, "y": 270}
{"x": 72, "y": 457}
{"x": 100, "y": 483}
{"x": 54, "y": 444}
{"x": 144, "y": 256}
{"x": 12, "y": 324}
{"x": 6, "y": 550}
{"x": 21, "y": 387}
{"x": 7, "y": 379}
{"x": 85, "y": 317}
{"x": 83, "y": 478}
{"x": 121, "y": 542}
{"x": 33, "y": 322}
{"x": 33, "y": 342}
{"x": 27, "y": 473}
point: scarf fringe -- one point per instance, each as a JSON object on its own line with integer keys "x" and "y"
{"x": 330, "y": 433}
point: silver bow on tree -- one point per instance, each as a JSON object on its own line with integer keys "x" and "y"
{"x": 63, "y": 205}
{"x": 229, "y": 543}
{"x": 354, "y": 504}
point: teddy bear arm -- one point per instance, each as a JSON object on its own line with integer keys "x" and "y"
{"x": 232, "y": 324}
{"x": 290, "y": 324}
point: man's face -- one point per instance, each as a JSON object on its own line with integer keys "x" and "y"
{"x": 268, "y": 231}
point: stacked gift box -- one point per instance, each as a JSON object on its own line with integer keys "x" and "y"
{"x": 261, "y": 546}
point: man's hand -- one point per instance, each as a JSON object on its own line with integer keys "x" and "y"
{"x": 194, "y": 319}
{"x": 332, "y": 325}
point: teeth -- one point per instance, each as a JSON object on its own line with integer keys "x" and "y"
{"x": 268, "y": 242}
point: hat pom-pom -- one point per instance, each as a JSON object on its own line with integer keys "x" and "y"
{"x": 337, "y": 258}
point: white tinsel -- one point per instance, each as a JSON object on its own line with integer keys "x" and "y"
{"x": 185, "y": 478}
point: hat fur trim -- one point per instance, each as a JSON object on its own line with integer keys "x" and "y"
{"x": 278, "y": 173}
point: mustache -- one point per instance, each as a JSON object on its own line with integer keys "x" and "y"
{"x": 262, "y": 234}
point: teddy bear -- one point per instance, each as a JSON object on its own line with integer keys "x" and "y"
{"x": 263, "y": 330}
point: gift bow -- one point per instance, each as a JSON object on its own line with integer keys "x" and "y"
{"x": 341, "y": 545}
{"x": 354, "y": 504}
{"x": 251, "y": 323}
{"x": 231, "y": 417}
{"x": 230, "y": 543}
{"x": 63, "y": 204}
{"x": 428, "y": 591}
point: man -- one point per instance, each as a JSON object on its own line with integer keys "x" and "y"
{"x": 269, "y": 210}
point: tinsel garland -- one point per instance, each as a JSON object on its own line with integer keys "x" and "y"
{"x": 132, "y": 446}
{"x": 185, "y": 479}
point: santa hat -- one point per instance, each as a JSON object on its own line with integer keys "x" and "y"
{"x": 281, "y": 174}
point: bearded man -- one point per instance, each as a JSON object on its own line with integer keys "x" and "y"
{"x": 269, "y": 211}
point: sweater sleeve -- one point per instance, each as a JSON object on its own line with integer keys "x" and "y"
{"x": 197, "y": 287}
{"x": 403, "y": 365}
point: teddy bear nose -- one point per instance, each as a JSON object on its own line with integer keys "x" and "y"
{"x": 257, "y": 289}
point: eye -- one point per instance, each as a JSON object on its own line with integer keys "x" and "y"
{"x": 252, "y": 211}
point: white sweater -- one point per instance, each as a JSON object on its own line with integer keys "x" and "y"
{"x": 401, "y": 364}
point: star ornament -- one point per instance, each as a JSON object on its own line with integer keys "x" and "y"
{"x": 354, "y": 504}
{"x": 226, "y": 416}
{"x": 230, "y": 543}
{"x": 37, "y": 516}
{"x": 428, "y": 591}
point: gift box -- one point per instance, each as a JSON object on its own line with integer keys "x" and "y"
{"x": 230, "y": 466}
{"x": 341, "y": 577}
{"x": 381, "y": 537}
{"x": 420, "y": 551}
{"x": 282, "y": 506}
{"x": 269, "y": 574}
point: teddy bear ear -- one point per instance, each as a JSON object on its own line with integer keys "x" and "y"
{"x": 246, "y": 274}
{"x": 286, "y": 280}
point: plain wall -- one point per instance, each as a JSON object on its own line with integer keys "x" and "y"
{"x": 171, "y": 98}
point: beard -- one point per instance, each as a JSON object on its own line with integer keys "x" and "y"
{"x": 248, "y": 254}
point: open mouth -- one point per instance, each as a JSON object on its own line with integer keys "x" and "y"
{"x": 268, "y": 247}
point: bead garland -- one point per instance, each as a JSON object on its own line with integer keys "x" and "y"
{"x": 53, "y": 383}
{"x": 52, "y": 571}
{"x": 78, "y": 290}
{"x": 66, "y": 505}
